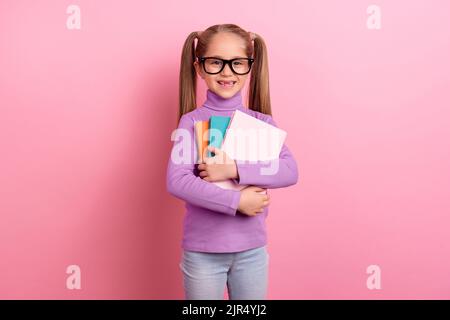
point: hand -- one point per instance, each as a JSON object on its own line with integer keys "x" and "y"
{"x": 252, "y": 202}
{"x": 218, "y": 168}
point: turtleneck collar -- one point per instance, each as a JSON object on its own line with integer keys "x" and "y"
{"x": 216, "y": 102}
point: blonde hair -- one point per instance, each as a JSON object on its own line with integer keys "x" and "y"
{"x": 258, "y": 91}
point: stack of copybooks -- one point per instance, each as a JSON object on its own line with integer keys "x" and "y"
{"x": 242, "y": 137}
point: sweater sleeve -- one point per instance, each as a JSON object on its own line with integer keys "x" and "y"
{"x": 183, "y": 183}
{"x": 269, "y": 174}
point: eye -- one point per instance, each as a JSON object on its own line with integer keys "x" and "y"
{"x": 216, "y": 62}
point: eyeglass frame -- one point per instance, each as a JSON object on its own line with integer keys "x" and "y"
{"x": 225, "y": 62}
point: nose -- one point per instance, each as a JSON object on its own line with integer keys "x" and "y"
{"x": 227, "y": 69}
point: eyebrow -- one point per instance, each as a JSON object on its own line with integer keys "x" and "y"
{"x": 230, "y": 58}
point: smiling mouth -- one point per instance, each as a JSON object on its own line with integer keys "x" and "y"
{"x": 226, "y": 84}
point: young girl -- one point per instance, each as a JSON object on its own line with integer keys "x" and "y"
{"x": 224, "y": 232}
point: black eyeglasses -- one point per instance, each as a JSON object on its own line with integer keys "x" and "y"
{"x": 213, "y": 65}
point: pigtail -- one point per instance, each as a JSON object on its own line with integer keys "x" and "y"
{"x": 188, "y": 77}
{"x": 259, "y": 95}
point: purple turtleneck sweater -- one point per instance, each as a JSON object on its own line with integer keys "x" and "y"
{"x": 212, "y": 222}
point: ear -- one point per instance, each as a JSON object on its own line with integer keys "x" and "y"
{"x": 198, "y": 69}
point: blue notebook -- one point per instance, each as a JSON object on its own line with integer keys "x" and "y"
{"x": 219, "y": 123}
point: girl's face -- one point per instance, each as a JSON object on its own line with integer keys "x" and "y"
{"x": 224, "y": 45}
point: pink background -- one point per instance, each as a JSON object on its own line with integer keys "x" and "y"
{"x": 85, "y": 123}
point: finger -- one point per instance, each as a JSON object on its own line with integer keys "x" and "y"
{"x": 214, "y": 150}
{"x": 201, "y": 166}
{"x": 207, "y": 179}
{"x": 265, "y": 203}
{"x": 217, "y": 150}
{"x": 256, "y": 189}
{"x": 203, "y": 174}
{"x": 263, "y": 197}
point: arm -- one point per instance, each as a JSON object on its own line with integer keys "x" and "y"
{"x": 182, "y": 183}
{"x": 285, "y": 175}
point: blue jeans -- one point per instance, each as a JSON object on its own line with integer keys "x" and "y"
{"x": 245, "y": 273}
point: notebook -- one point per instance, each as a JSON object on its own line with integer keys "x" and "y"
{"x": 217, "y": 128}
{"x": 250, "y": 139}
{"x": 201, "y": 138}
